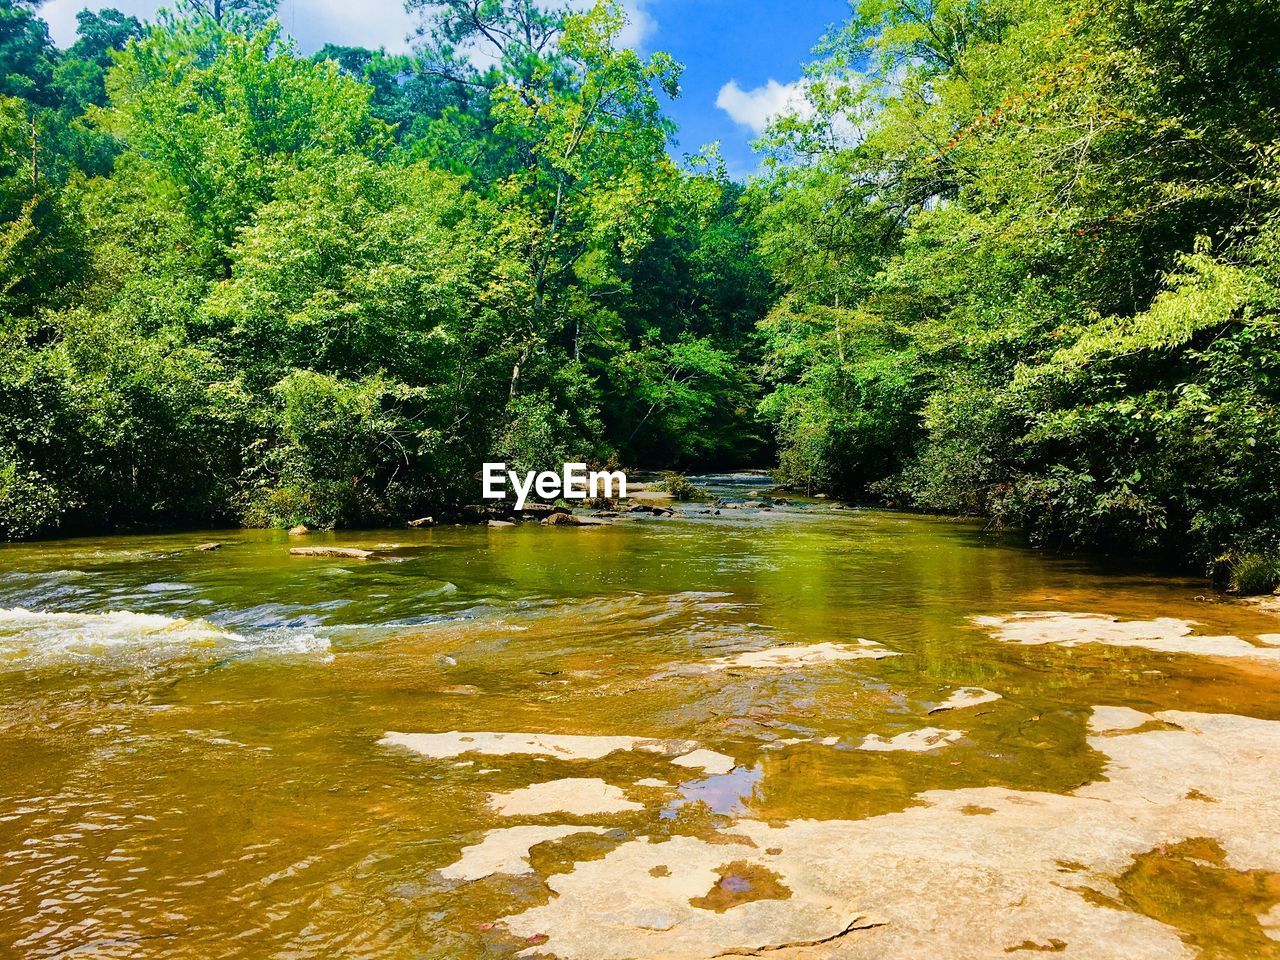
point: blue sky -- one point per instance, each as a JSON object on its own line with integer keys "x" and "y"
{"x": 742, "y": 57}
{"x": 746, "y": 43}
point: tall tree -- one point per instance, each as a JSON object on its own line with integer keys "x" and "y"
{"x": 220, "y": 130}
{"x": 1021, "y": 243}
{"x": 242, "y": 14}
{"x": 27, "y": 55}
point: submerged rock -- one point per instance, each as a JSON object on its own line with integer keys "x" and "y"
{"x": 741, "y": 882}
{"x": 339, "y": 553}
{"x": 913, "y": 741}
{"x": 209, "y": 547}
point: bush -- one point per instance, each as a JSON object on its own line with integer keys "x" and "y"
{"x": 336, "y": 452}
{"x": 29, "y": 504}
{"x": 1248, "y": 574}
{"x": 679, "y": 487}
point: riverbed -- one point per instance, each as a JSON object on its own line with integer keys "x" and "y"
{"x": 789, "y": 730}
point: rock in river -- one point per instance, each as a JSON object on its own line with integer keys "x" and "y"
{"x": 709, "y": 761}
{"x": 570, "y": 520}
{"x": 795, "y": 656}
{"x": 964, "y": 698}
{"x": 1033, "y": 874}
{"x": 1163, "y": 635}
{"x": 561, "y": 746}
{"x": 507, "y": 851}
{"x": 337, "y": 553}
{"x": 575, "y": 796}
{"x": 913, "y": 741}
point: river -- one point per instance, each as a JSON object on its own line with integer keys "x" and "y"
{"x": 222, "y": 754}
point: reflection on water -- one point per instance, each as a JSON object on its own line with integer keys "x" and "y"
{"x": 726, "y": 794}
{"x": 189, "y": 758}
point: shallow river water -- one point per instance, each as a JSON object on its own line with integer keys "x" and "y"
{"x": 195, "y": 760}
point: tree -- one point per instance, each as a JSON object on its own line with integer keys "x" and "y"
{"x": 80, "y": 76}
{"x": 246, "y": 15}
{"x": 520, "y": 37}
{"x": 422, "y": 106}
{"x": 1046, "y": 221}
{"x": 39, "y": 241}
{"x": 220, "y": 132}
{"x": 27, "y": 55}
{"x": 591, "y": 167}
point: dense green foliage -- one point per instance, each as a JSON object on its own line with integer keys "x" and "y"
{"x": 1029, "y": 250}
{"x": 239, "y": 284}
{"x": 1018, "y": 259}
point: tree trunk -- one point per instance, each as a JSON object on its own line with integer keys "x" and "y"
{"x": 515, "y": 373}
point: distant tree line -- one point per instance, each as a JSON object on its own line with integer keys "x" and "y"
{"x": 238, "y": 284}
{"x": 1018, "y": 259}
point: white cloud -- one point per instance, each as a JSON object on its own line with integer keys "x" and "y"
{"x": 641, "y": 25}
{"x": 757, "y": 108}
{"x": 367, "y": 23}
{"x": 355, "y": 23}
{"x": 362, "y": 23}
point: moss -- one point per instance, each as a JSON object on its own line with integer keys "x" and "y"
{"x": 1189, "y": 886}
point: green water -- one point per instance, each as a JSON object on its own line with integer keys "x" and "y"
{"x": 206, "y": 780}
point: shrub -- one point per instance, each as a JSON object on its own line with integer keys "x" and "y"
{"x": 336, "y": 452}
{"x": 1248, "y": 574}
{"x": 29, "y": 504}
{"x": 679, "y": 487}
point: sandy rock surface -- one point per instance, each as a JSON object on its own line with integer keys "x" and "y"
{"x": 913, "y": 741}
{"x": 791, "y": 657}
{"x": 506, "y": 851}
{"x": 565, "y": 747}
{"x": 969, "y": 874}
{"x": 707, "y": 761}
{"x": 966, "y": 697}
{"x": 1164, "y": 635}
{"x": 576, "y": 796}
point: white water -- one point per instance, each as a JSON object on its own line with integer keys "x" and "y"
{"x": 30, "y": 638}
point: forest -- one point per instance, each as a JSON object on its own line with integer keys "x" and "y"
{"x": 1015, "y": 259}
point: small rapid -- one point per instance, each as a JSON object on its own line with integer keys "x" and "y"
{"x": 34, "y": 639}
